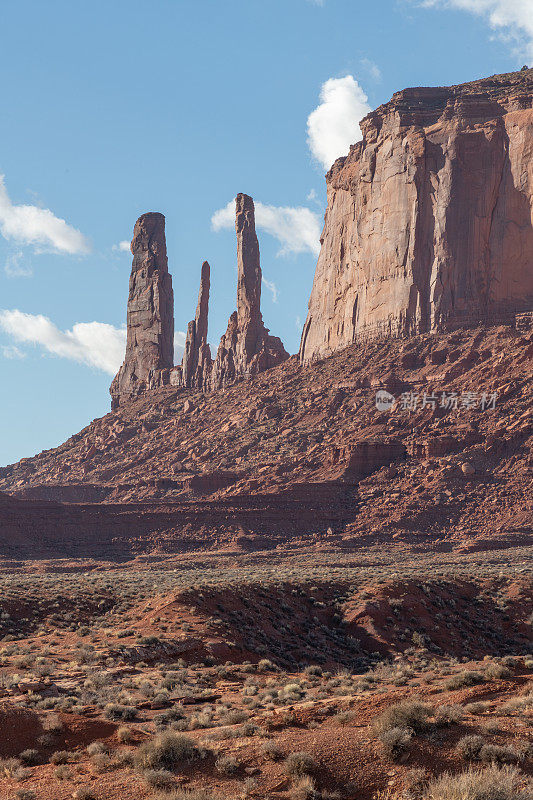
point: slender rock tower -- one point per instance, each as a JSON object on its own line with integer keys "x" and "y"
{"x": 150, "y": 320}
{"x": 196, "y": 363}
{"x": 247, "y": 347}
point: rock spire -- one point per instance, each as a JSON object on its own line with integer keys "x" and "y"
{"x": 150, "y": 317}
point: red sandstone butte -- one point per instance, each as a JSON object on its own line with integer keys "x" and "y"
{"x": 428, "y": 225}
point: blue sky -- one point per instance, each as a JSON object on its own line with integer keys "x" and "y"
{"x": 117, "y": 108}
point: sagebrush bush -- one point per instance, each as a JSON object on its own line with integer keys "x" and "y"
{"x": 499, "y": 754}
{"x": 395, "y": 741}
{"x": 463, "y": 679}
{"x": 469, "y": 747}
{"x": 227, "y": 765}
{"x": 298, "y": 764}
{"x": 409, "y": 714}
{"x": 491, "y": 783}
{"x": 159, "y": 779}
{"x": 271, "y": 751}
{"x": 167, "y": 751}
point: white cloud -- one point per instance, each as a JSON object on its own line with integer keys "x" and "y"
{"x": 124, "y": 246}
{"x": 372, "y": 68}
{"x": 298, "y": 229}
{"x": 38, "y": 227}
{"x": 96, "y": 344}
{"x": 11, "y": 352}
{"x": 14, "y": 269}
{"x": 179, "y": 346}
{"x": 512, "y": 18}
{"x": 334, "y": 125}
{"x": 271, "y": 286}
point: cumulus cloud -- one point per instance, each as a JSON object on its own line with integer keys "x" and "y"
{"x": 334, "y": 125}
{"x": 96, "y": 344}
{"x": 512, "y": 18}
{"x": 15, "y": 269}
{"x": 38, "y": 227}
{"x": 123, "y": 246}
{"x": 297, "y": 228}
{"x": 179, "y": 346}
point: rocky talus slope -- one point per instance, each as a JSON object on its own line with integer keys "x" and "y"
{"x": 429, "y": 218}
{"x": 302, "y": 453}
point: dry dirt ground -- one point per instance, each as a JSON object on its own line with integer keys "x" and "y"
{"x": 268, "y": 674}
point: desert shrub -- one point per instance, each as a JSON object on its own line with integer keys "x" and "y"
{"x": 298, "y": 764}
{"x": 116, "y": 711}
{"x": 25, "y": 794}
{"x": 94, "y": 748}
{"x": 495, "y": 671}
{"x": 469, "y": 747}
{"x": 234, "y": 716}
{"x": 463, "y": 679}
{"x": 304, "y": 789}
{"x": 491, "y": 783}
{"x": 159, "y": 779}
{"x": 477, "y": 708}
{"x": 415, "y": 779}
{"x": 227, "y": 765}
{"x": 61, "y": 757}
{"x": 271, "y": 751}
{"x": 53, "y": 723}
{"x": 188, "y": 794}
{"x": 102, "y": 761}
{"x": 448, "y": 715}
{"x": 499, "y": 754}
{"x": 266, "y": 665}
{"x": 84, "y": 794}
{"x": 29, "y": 757}
{"x": 9, "y": 766}
{"x": 167, "y": 751}
{"x": 124, "y": 735}
{"x": 395, "y": 741}
{"x": 63, "y": 772}
{"x": 409, "y": 714}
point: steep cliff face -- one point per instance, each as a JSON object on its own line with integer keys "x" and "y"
{"x": 150, "y": 319}
{"x": 429, "y": 222}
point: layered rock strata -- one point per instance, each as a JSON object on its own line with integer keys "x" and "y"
{"x": 150, "y": 318}
{"x": 429, "y": 222}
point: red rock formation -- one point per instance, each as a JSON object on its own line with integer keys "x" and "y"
{"x": 429, "y": 218}
{"x": 196, "y": 365}
{"x": 246, "y": 348}
{"x": 150, "y": 321}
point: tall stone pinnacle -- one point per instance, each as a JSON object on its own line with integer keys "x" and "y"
{"x": 246, "y": 348}
{"x": 150, "y": 318}
{"x": 248, "y": 263}
{"x": 196, "y": 348}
